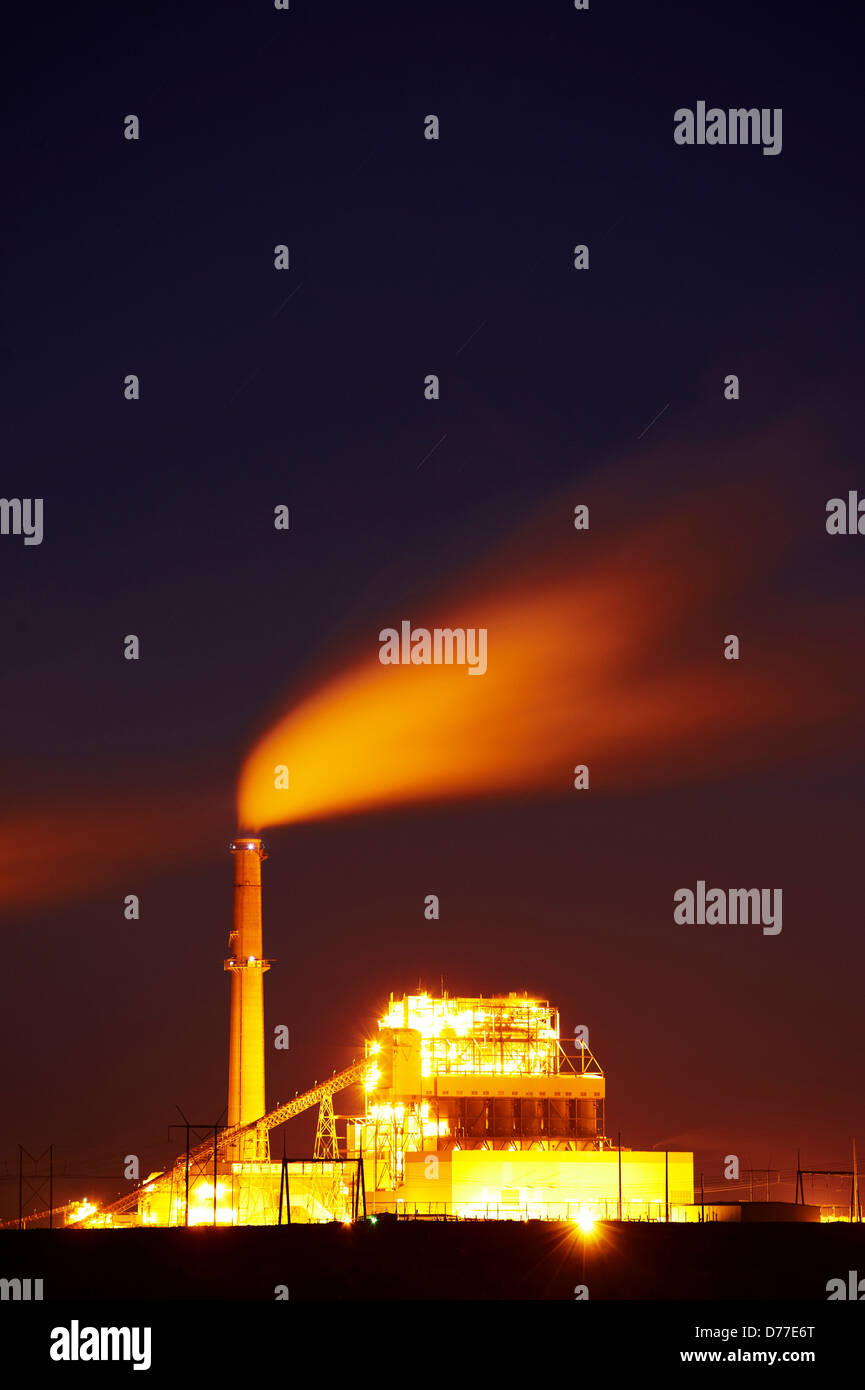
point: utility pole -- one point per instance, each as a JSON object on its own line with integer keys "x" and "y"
{"x": 186, "y": 1203}
{"x": 200, "y": 1164}
{"x": 768, "y": 1173}
{"x": 283, "y": 1186}
{"x": 620, "y": 1175}
{"x": 36, "y": 1182}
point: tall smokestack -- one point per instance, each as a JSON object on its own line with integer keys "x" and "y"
{"x": 246, "y": 1046}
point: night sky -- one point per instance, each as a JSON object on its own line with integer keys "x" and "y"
{"x": 305, "y": 387}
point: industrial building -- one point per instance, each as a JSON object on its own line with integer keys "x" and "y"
{"x": 473, "y": 1109}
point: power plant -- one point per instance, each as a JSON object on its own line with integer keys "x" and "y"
{"x": 472, "y": 1109}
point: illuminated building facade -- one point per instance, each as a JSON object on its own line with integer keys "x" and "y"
{"x": 474, "y": 1108}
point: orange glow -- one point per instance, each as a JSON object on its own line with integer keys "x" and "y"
{"x": 609, "y": 654}
{"x": 71, "y": 845}
{"x": 478, "y": 1037}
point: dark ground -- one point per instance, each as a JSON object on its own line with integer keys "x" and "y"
{"x": 455, "y": 1260}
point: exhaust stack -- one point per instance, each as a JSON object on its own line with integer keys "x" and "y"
{"x": 246, "y": 1044}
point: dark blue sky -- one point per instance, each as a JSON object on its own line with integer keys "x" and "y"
{"x": 306, "y": 387}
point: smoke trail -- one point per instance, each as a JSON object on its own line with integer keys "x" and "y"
{"x": 604, "y": 650}
{"x": 58, "y": 853}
